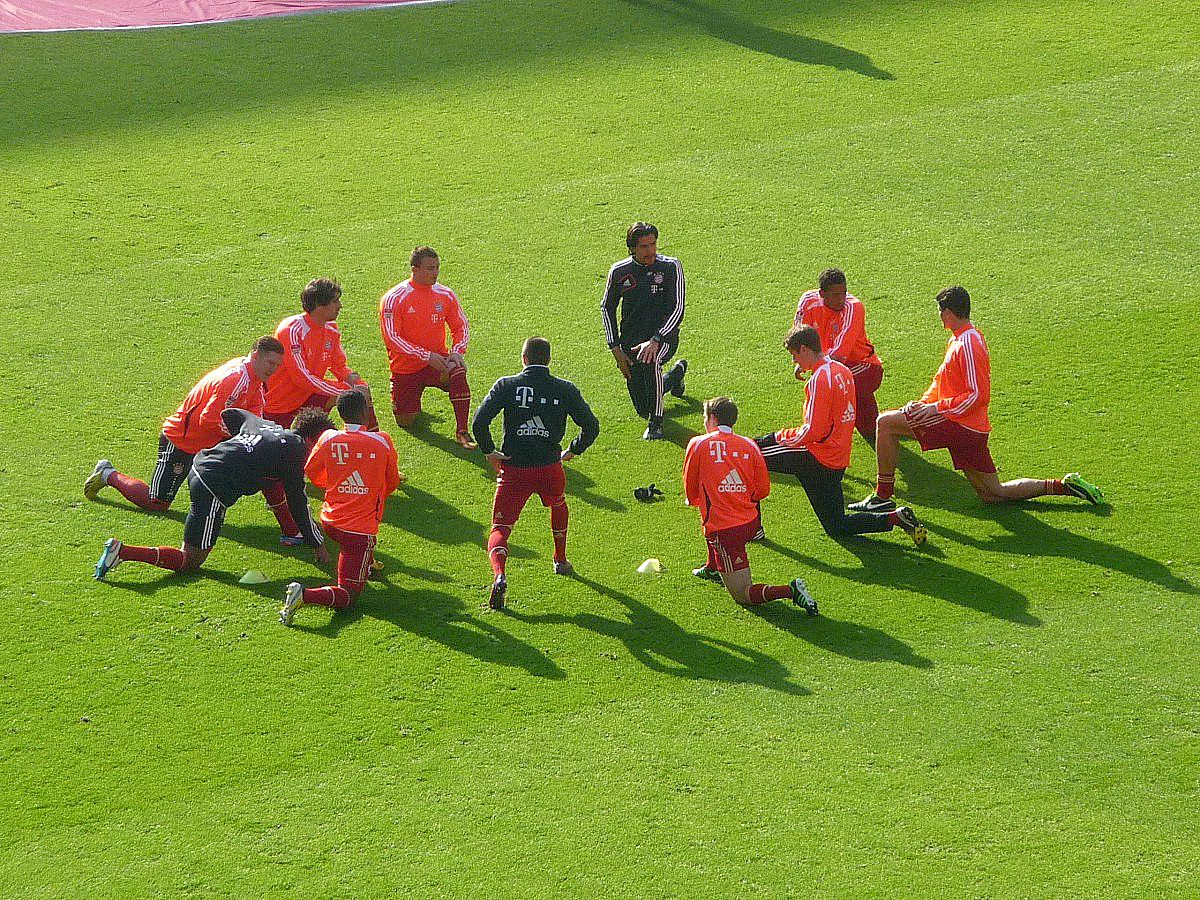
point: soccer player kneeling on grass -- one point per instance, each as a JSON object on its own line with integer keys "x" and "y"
{"x": 953, "y": 414}
{"x": 357, "y": 469}
{"x": 196, "y": 425}
{"x": 259, "y": 451}
{"x": 818, "y": 452}
{"x": 536, "y": 406}
{"x": 725, "y": 477}
{"x": 414, "y": 317}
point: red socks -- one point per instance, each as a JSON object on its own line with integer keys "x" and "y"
{"x": 276, "y": 498}
{"x": 330, "y": 595}
{"x": 460, "y": 399}
{"x": 758, "y": 594}
{"x": 559, "y": 515}
{"x": 164, "y": 557}
{"x": 498, "y": 550}
{"x": 136, "y": 492}
{"x": 885, "y": 487}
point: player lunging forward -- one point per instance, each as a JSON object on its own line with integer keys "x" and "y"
{"x": 725, "y": 478}
{"x": 535, "y": 406}
{"x": 196, "y": 425}
{"x": 357, "y": 470}
{"x": 953, "y": 414}
{"x": 258, "y": 451}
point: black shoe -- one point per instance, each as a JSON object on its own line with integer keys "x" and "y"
{"x": 912, "y": 525}
{"x": 499, "y": 587}
{"x": 706, "y": 572}
{"x": 759, "y": 536}
{"x": 653, "y": 432}
{"x": 802, "y": 598}
{"x": 673, "y": 383}
{"x": 563, "y": 567}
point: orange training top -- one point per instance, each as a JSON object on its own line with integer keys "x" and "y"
{"x": 962, "y": 387}
{"x": 843, "y": 333}
{"x": 196, "y": 424}
{"x": 414, "y": 318}
{"x": 829, "y": 408}
{"x": 725, "y": 477}
{"x": 357, "y": 469}
{"x": 310, "y": 350}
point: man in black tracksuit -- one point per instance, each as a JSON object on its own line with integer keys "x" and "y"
{"x": 259, "y": 453}
{"x": 649, "y": 288}
{"x": 536, "y": 406}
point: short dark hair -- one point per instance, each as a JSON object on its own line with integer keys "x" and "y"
{"x": 830, "y": 277}
{"x": 536, "y": 351}
{"x": 319, "y": 292}
{"x": 267, "y": 344}
{"x": 956, "y": 299}
{"x": 312, "y": 422}
{"x": 803, "y": 336}
{"x": 421, "y": 253}
{"x": 722, "y": 409}
{"x": 352, "y": 407}
{"x": 637, "y": 231}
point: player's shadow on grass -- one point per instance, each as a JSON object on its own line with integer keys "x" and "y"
{"x": 662, "y": 646}
{"x": 1028, "y": 535}
{"x": 888, "y": 565}
{"x": 443, "y": 619}
{"x": 422, "y": 514}
{"x": 849, "y": 639}
{"x": 422, "y": 430}
{"x": 581, "y": 487}
{"x": 676, "y": 433}
{"x": 761, "y": 39}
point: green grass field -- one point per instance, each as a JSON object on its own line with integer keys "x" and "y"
{"x": 1011, "y": 712}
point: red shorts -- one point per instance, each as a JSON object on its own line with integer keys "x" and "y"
{"x": 285, "y": 418}
{"x": 968, "y": 449}
{"x": 516, "y": 485}
{"x": 727, "y": 548}
{"x": 354, "y": 560}
{"x": 408, "y": 387}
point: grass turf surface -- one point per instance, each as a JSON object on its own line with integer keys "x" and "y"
{"x": 1012, "y": 712}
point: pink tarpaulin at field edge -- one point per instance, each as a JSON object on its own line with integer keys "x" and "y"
{"x": 68, "y": 15}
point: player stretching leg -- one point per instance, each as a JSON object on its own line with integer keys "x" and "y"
{"x": 357, "y": 469}
{"x": 725, "y": 477}
{"x": 235, "y": 468}
{"x": 196, "y": 425}
{"x": 536, "y": 406}
{"x": 953, "y": 414}
{"x": 818, "y": 452}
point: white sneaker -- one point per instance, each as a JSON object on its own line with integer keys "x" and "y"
{"x": 293, "y": 597}
{"x": 109, "y": 559}
{"x": 98, "y": 478}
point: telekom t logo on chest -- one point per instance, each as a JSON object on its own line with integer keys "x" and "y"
{"x": 341, "y": 452}
{"x": 525, "y": 396}
{"x": 718, "y": 450}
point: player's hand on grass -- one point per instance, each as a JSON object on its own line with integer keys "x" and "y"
{"x": 647, "y": 351}
{"x": 622, "y": 361}
{"x": 321, "y": 555}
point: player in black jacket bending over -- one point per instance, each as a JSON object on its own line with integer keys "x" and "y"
{"x": 536, "y": 406}
{"x": 259, "y": 452}
{"x": 650, "y": 291}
